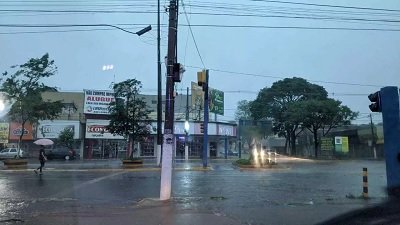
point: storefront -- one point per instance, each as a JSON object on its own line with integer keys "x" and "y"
{"x": 100, "y": 143}
{"x": 52, "y": 129}
{"x": 218, "y": 133}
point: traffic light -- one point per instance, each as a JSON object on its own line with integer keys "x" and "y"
{"x": 178, "y": 72}
{"x": 202, "y": 128}
{"x": 376, "y": 105}
{"x": 201, "y": 78}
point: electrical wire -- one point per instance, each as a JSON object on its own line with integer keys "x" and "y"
{"x": 329, "y": 6}
{"x": 191, "y": 32}
{"x": 280, "y": 77}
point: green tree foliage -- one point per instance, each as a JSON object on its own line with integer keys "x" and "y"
{"x": 277, "y": 103}
{"x": 23, "y": 89}
{"x": 295, "y": 104}
{"x": 66, "y": 138}
{"x": 243, "y": 110}
{"x": 129, "y": 114}
{"x": 320, "y": 116}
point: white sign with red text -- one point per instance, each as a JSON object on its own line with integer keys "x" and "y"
{"x": 97, "y": 129}
{"x": 98, "y": 101}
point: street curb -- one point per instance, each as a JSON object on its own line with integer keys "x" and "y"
{"x": 107, "y": 170}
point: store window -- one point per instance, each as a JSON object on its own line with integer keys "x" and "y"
{"x": 147, "y": 147}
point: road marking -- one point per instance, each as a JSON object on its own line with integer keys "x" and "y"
{"x": 90, "y": 182}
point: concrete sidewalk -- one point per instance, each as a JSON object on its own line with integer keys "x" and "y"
{"x": 116, "y": 165}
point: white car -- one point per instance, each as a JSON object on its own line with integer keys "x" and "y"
{"x": 10, "y": 153}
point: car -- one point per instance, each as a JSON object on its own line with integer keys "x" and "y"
{"x": 61, "y": 153}
{"x": 11, "y": 153}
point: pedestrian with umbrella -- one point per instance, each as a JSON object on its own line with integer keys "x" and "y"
{"x": 42, "y": 154}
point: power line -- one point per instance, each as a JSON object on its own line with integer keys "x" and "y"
{"x": 329, "y": 6}
{"x": 69, "y": 25}
{"x": 296, "y": 17}
{"x": 293, "y": 27}
{"x": 74, "y": 11}
{"x": 280, "y": 77}
{"x": 191, "y": 32}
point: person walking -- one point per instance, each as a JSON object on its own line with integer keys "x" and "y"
{"x": 42, "y": 160}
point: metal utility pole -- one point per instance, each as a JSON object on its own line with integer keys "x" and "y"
{"x": 373, "y": 136}
{"x": 159, "y": 96}
{"x": 168, "y": 143}
{"x": 187, "y": 121}
{"x": 205, "y": 138}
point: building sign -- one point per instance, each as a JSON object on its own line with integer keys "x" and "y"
{"x": 52, "y": 129}
{"x": 327, "y": 144}
{"x": 4, "y": 132}
{"x": 16, "y": 130}
{"x": 342, "y": 145}
{"x": 216, "y": 101}
{"x": 226, "y": 130}
{"x": 98, "y": 101}
{"x": 97, "y": 129}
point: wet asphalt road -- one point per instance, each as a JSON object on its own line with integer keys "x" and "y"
{"x": 300, "y": 192}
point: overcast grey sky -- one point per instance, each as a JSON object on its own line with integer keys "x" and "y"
{"x": 343, "y": 56}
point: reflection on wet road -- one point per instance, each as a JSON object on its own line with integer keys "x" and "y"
{"x": 304, "y": 192}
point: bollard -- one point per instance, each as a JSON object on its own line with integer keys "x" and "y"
{"x": 365, "y": 182}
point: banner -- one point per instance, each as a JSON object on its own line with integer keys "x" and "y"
{"x": 52, "y": 129}
{"x": 216, "y": 101}
{"x": 98, "y": 101}
{"x": 16, "y": 130}
{"x": 4, "y": 132}
{"x": 96, "y": 129}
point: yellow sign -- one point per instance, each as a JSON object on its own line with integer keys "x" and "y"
{"x": 345, "y": 144}
{"x": 197, "y": 97}
{"x": 4, "y": 131}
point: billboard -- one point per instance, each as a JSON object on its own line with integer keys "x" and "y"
{"x": 97, "y": 101}
{"x": 16, "y": 130}
{"x": 4, "y": 132}
{"x": 52, "y": 129}
{"x": 216, "y": 101}
{"x": 96, "y": 129}
{"x": 197, "y": 96}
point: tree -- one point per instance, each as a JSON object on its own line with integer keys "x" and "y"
{"x": 129, "y": 113}
{"x": 243, "y": 110}
{"x": 277, "y": 103}
{"x": 323, "y": 115}
{"x": 66, "y": 138}
{"x": 23, "y": 90}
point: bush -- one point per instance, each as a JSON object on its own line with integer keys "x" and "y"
{"x": 243, "y": 162}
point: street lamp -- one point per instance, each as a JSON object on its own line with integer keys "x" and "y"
{"x": 187, "y": 127}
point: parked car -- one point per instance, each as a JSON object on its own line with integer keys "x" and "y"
{"x": 11, "y": 153}
{"x": 61, "y": 153}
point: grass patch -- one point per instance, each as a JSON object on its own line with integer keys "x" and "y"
{"x": 243, "y": 162}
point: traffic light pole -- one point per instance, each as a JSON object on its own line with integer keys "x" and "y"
{"x": 168, "y": 143}
{"x": 159, "y": 96}
{"x": 373, "y": 136}
{"x": 205, "y": 138}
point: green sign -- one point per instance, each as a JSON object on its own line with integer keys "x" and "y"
{"x": 342, "y": 145}
{"x": 216, "y": 101}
